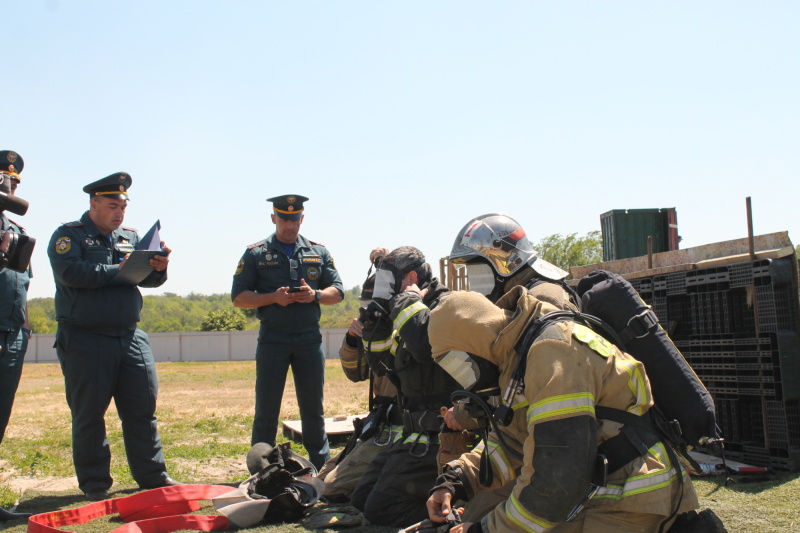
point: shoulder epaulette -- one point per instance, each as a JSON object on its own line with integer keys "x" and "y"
{"x": 16, "y": 224}
{"x": 73, "y": 224}
{"x": 317, "y": 243}
{"x": 128, "y": 229}
{"x": 257, "y": 244}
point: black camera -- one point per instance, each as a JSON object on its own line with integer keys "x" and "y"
{"x": 15, "y": 251}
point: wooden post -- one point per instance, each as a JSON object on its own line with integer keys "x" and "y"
{"x": 750, "y": 241}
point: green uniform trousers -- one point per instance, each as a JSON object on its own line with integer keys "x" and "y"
{"x": 97, "y": 367}
{"x": 13, "y": 345}
{"x": 303, "y": 352}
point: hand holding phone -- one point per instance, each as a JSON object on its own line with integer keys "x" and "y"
{"x": 295, "y": 289}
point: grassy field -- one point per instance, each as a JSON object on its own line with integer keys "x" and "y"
{"x": 205, "y": 411}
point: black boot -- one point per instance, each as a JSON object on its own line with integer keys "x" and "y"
{"x": 5, "y": 516}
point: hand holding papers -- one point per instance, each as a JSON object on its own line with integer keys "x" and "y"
{"x": 137, "y": 265}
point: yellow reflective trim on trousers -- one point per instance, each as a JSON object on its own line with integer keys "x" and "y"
{"x": 517, "y": 513}
{"x": 564, "y": 404}
{"x": 637, "y": 384}
{"x": 419, "y": 438}
{"x": 500, "y": 461}
{"x": 395, "y": 434}
{"x": 407, "y": 313}
{"x": 655, "y": 480}
{"x": 593, "y": 340}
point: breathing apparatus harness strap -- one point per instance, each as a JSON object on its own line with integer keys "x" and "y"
{"x": 639, "y": 432}
{"x": 486, "y": 474}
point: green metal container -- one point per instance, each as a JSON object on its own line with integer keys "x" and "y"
{"x": 625, "y": 232}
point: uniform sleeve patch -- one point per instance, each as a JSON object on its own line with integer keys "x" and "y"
{"x": 240, "y": 267}
{"x": 63, "y": 245}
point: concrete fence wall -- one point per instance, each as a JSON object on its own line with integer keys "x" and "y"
{"x": 192, "y": 346}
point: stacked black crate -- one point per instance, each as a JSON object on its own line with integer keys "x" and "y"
{"x": 737, "y": 326}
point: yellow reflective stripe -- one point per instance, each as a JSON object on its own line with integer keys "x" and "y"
{"x": 637, "y": 383}
{"x": 395, "y": 433}
{"x": 350, "y": 364}
{"x": 418, "y": 438}
{"x": 655, "y": 480}
{"x": 517, "y": 513}
{"x": 378, "y": 346}
{"x": 564, "y": 404}
{"x": 519, "y": 402}
{"x": 500, "y": 461}
{"x": 407, "y": 313}
{"x": 395, "y": 344}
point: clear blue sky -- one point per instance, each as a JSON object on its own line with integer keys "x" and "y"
{"x": 400, "y": 120}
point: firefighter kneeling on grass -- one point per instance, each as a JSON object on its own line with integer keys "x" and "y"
{"x": 580, "y": 471}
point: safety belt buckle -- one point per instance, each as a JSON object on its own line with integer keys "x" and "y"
{"x": 641, "y": 324}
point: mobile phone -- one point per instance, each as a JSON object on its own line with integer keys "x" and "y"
{"x": 295, "y": 289}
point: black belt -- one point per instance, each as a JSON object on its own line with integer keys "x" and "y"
{"x": 421, "y": 421}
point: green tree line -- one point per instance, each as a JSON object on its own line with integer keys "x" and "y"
{"x": 196, "y": 312}
{"x": 199, "y": 312}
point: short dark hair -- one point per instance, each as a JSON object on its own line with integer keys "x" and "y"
{"x": 410, "y": 259}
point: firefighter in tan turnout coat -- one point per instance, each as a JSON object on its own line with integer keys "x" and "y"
{"x": 570, "y": 370}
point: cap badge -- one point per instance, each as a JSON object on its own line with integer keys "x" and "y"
{"x": 290, "y": 208}
{"x": 12, "y": 157}
{"x": 291, "y": 199}
{"x": 122, "y": 188}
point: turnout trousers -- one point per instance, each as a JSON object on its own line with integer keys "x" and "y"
{"x": 274, "y": 356}
{"x": 98, "y": 367}
{"x": 394, "y": 489}
{"x": 13, "y": 345}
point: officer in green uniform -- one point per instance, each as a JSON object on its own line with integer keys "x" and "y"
{"x": 14, "y": 329}
{"x": 286, "y": 277}
{"x": 103, "y": 354}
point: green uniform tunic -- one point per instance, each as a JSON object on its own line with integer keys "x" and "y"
{"x": 289, "y": 336}
{"x": 103, "y": 354}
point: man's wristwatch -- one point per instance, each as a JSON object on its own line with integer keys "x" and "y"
{"x": 318, "y": 296}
